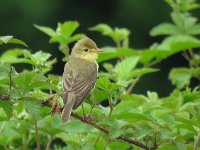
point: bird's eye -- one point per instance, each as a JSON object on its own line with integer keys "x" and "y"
{"x": 86, "y": 49}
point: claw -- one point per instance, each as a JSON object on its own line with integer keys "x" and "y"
{"x": 56, "y": 107}
{"x": 88, "y": 117}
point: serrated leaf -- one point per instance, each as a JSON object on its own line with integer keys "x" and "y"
{"x": 125, "y": 67}
{"x": 7, "y": 107}
{"x": 5, "y": 39}
{"x": 147, "y": 55}
{"x": 141, "y": 72}
{"x": 11, "y": 55}
{"x": 111, "y": 53}
{"x": 49, "y": 31}
{"x": 180, "y": 77}
{"x": 137, "y": 100}
{"x": 178, "y": 43}
{"x": 165, "y": 29}
{"x": 67, "y": 28}
{"x": 29, "y": 80}
{"x": 103, "y": 28}
{"x": 76, "y": 37}
{"x": 177, "y": 19}
{"x": 105, "y": 84}
{"x": 117, "y": 34}
{"x": 32, "y": 106}
{"x": 10, "y": 39}
{"x": 115, "y": 133}
{"x": 152, "y": 95}
{"x": 118, "y": 145}
{"x": 9, "y": 133}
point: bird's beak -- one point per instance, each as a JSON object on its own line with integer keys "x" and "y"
{"x": 97, "y": 50}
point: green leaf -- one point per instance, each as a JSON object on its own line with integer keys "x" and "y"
{"x": 14, "y": 56}
{"x": 7, "y": 69}
{"x": 118, "y": 145}
{"x": 9, "y": 133}
{"x": 131, "y": 117}
{"x": 76, "y": 37}
{"x": 53, "y": 123}
{"x": 130, "y": 105}
{"x": 7, "y": 107}
{"x": 63, "y": 34}
{"x": 103, "y": 28}
{"x": 165, "y": 29}
{"x": 177, "y": 19}
{"x": 29, "y": 80}
{"x": 178, "y": 43}
{"x": 169, "y": 146}
{"x": 105, "y": 84}
{"x": 147, "y": 55}
{"x": 9, "y": 39}
{"x": 111, "y": 53}
{"x": 184, "y": 21}
{"x": 49, "y": 31}
{"x": 142, "y": 131}
{"x": 125, "y": 67}
{"x": 136, "y": 100}
{"x": 32, "y": 106}
{"x": 117, "y": 34}
{"x": 194, "y": 30}
{"x": 153, "y": 96}
{"x": 99, "y": 95}
{"x": 5, "y": 39}
{"x": 180, "y": 77}
{"x": 67, "y": 28}
{"x": 141, "y": 72}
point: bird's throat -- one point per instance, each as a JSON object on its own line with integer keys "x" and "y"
{"x": 92, "y": 57}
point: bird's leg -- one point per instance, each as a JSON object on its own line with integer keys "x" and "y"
{"x": 83, "y": 110}
{"x": 86, "y": 117}
{"x": 92, "y": 101}
{"x": 56, "y": 107}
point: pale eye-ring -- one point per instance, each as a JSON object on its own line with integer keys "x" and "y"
{"x": 86, "y": 49}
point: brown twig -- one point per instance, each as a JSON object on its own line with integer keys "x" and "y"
{"x": 4, "y": 97}
{"x": 46, "y": 102}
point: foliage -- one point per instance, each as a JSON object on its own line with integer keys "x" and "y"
{"x": 170, "y": 122}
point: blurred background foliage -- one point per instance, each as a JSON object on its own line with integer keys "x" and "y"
{"x": 139, "y": 16}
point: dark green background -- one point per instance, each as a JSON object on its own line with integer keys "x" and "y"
{"x": 139, "y": 16}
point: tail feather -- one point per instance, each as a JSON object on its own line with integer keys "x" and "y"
{"x": 67, "y": 108}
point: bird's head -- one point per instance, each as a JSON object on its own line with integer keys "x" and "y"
{"x": 85, "y": 49}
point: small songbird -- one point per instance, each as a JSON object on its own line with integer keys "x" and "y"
{"x": 80, "y": 74}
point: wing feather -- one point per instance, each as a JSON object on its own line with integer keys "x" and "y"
{"x": 79, "y": 82}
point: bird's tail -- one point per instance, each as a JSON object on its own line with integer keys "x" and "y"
{"x": 67, "y": 108}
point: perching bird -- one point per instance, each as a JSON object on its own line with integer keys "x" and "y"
{"x": 80, "y": 74}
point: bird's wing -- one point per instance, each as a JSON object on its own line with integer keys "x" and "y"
{"x": 80, "y": 83}
{"x": 82, "y": 88}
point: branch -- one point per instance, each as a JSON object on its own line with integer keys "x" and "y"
{"x": 46, "y": 102}
{"x": 4, "y": 97}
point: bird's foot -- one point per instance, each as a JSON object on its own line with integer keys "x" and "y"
{"x": 56, "y": 107}
{"x": 88, "y": 117}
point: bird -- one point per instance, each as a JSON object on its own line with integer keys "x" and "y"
{"x": 80, "y": 75}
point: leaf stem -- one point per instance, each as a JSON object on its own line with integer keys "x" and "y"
{"x": 130, "y": 88}
{"x": 2, "y": 127}
{"x": 49, "y": 143}
{"x": 98, "y": 138}
{"x": 10, "y": 78}
{"x": 197, "y": 142}
{"x": 110, "y": 103}
{"x": 36, "y": 134}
